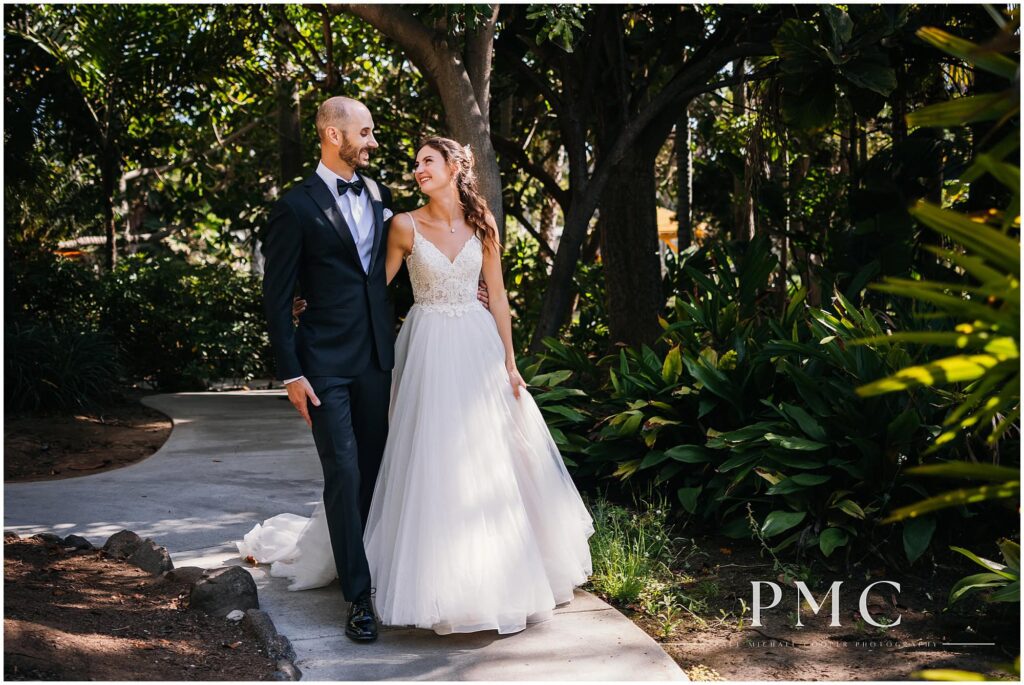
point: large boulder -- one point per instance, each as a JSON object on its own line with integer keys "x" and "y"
{"x": 49, "y": 538}
{"x": 77, "y": 542}
{"x": 222, "y": 590}
{"x": 151, "y": 557}
{"x": 121, "y": 544}
{"x": 186, "y": 575}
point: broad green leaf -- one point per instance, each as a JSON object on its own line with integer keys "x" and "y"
{"x": 780, "y": 521}
{"x": 974, "y": 582}
{"x": 793, "y": 443}
{"x": 690, "y": 454}
{"x": 688, "y": 497}
{"x": 917, "y": 535}
{"x": 1011, "y": 554}
{"x": 673, "y": 365}
{"x": 850, "y": 508}
{"x": 831, "y": 538}
{"x": 798, "y": 482}
{"x": 987, "y": 564}
{"x": 653, "y": 458}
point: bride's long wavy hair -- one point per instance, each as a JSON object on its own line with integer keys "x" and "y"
{"x": 460, "y": 160}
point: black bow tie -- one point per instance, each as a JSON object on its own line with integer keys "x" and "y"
{"x": 355, "y": 185}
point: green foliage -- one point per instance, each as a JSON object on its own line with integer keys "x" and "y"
{"x": 558, "y": 23}
{"x": 741, "y": 405}
{"x": 1002, "y": 579}
{"x": 841, "y": 55}
{"x": 65, "y": 368}
{"x": 154, "y": 319}
{"x": 182, "y": 326}
{"x": 631, "y": 550}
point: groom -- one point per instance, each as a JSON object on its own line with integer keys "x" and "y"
{"x": 329, "y": 233}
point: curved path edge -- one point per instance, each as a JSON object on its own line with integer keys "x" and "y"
{"x": 236, "y": 458}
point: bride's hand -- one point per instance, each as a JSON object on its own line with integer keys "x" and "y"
{"x": 298, "y": 306}
{"x": 515, "y": 379}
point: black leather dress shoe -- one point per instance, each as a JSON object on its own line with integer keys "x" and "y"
{"x": 362, "y": 624}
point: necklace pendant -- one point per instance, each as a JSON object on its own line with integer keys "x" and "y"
{"x": 453, "y": 230}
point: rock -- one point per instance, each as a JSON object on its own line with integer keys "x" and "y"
{"x": 49, "y": 538}
{"x": 286, "y": 670}
{"x": 151, "y": 557}
{"x": 121, "y": 544}
{"x": 10, "y": 535}
{"x": 258, "y": 624}
{"x": 224, "y": 589}
{"x": 236, "y": 615}
{"x": 186, "y": 575}
{"x": 77, "y": 542}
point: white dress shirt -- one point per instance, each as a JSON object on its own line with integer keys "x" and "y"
{"x": 358, "y": 214}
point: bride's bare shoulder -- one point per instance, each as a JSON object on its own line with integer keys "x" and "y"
{"x": 401, "y": 231}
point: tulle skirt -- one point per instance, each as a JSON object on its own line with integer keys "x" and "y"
{"x": 475, "y": 523}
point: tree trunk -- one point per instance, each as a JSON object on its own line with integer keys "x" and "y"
{"x": 110, "y": 172}
{"x": 289, "y": 131}
{"x": 740, "y": 229}
{"x": 462, "y": 81}
{"x": 684, "y": 181}
{"x": 628, "y": 227}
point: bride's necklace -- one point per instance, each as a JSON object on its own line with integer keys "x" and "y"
{"x": 451, "y": 229}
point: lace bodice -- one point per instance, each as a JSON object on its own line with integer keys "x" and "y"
{"x": 440, "y": 284}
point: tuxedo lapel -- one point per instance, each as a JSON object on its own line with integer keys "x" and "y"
{"x": 378, "y": 217}
{"x": 321, "y": 194}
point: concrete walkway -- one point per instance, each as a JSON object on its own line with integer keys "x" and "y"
{"x": 237, "y": 458}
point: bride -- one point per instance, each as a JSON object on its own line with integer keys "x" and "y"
{"x": 475, "y": 523}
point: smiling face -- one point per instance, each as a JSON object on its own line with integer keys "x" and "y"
{"x": 346, "y": 130}
{"x": 357, "y": 141}
{"x": 431, "y": 172}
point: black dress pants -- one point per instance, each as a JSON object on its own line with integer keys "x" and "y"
{"x": 350, "y": 429}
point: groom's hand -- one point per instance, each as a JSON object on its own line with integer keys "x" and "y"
{"x": 481, "y": 294}
{"x": 298, "y": 306}
{"x": 298, "y": 392}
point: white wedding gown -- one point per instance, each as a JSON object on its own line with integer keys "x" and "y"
{"x": 475, "y": 523}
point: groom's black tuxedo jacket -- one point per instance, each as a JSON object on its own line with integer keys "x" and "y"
{"x": 348, "y": 313}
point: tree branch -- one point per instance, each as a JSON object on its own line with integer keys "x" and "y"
{"x": 479, "y": 57}
{"x": 403, "y": 28}
{"x": 511, "y": 149}
{"x": 516, "y": 210}
{"x": 294, "y": 32}
{"x": 192, "y": 156}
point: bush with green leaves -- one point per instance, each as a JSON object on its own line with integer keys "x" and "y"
{"x": 64, "y": 368}
{"x": 739, "y": 404}
{"x": 183, "y": 325}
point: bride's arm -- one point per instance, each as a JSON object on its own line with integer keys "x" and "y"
{"x": 500, "y": 309}
{"x": 399, "y": 244}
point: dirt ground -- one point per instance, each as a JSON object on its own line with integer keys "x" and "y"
{"x": 80, "y": 615}
{"x": 723, "y": 648}
{"x": 48, "y": 447}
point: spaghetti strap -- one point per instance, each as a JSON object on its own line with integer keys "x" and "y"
{"x": 414, "y": 229}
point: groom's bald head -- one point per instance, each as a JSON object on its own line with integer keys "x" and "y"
{"x": 337, "y": 112}
{"x": 345, "y": 127}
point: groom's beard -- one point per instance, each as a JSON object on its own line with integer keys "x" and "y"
{"x": 352, "y": 154}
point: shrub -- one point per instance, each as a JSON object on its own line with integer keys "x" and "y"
{"x": 181, "y": 325}
{"x": 59, "y": 368}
